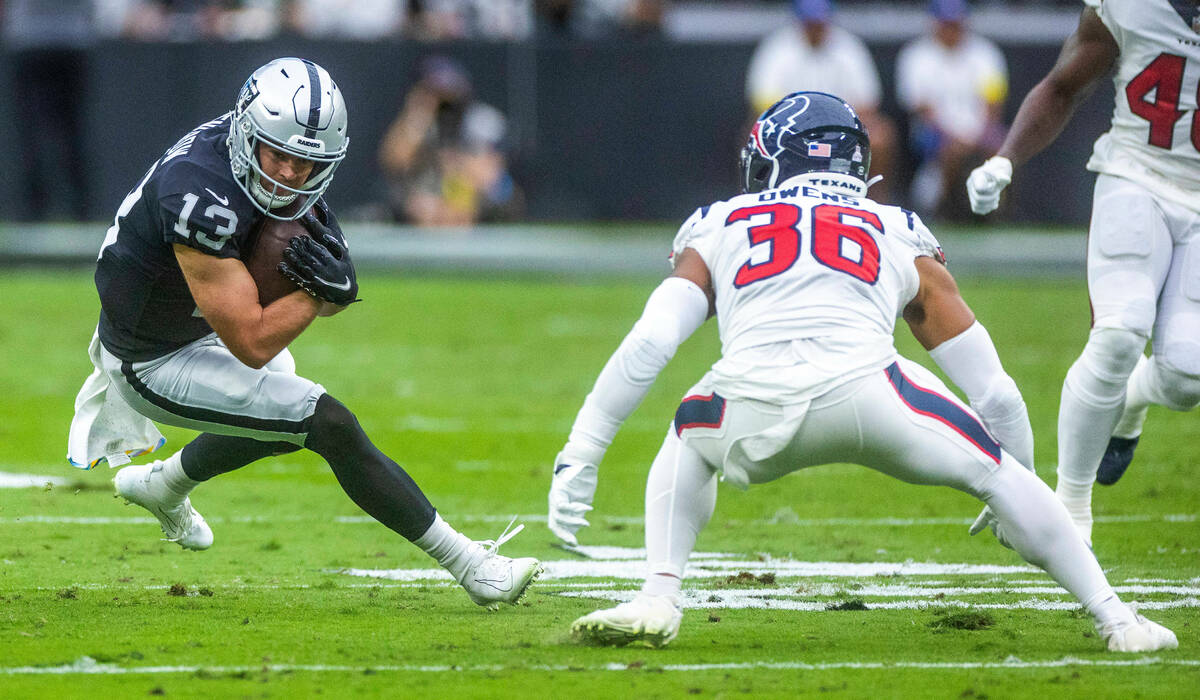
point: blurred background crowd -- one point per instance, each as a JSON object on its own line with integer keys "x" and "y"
{"x": 428, "y": 20}
{"x": 451, "y": 144}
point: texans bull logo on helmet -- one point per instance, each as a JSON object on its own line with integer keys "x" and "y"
{"x": 805, "y": 132}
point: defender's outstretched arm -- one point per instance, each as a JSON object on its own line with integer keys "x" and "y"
{"x": 673, "y": 312}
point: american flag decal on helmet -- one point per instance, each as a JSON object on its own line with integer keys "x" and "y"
{"x": 820, "y": 150}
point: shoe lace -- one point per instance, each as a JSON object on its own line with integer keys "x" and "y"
{"x": 493, "y": 546}
{"x": 183, "y": 522}
{"x": 154, "y": 469}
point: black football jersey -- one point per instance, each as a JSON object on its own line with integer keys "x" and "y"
{"x": 190, "y": 197}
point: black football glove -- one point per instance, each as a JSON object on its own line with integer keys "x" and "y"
{"x": 318, "y": 270}
{"x": 323, "y": 226}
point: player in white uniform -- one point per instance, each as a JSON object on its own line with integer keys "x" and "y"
{"x": 807, "y": 277}
{"x": 1143, "y": 249}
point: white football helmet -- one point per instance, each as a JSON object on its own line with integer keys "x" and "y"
{"x": 292, "y": 105}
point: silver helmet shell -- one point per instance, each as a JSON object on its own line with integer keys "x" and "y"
{"x": 293, "y": 106}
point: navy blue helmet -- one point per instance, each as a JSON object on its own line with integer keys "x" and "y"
{"x": 802, "y": 133}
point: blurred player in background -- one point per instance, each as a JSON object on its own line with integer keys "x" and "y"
{"x": 183, "y": 340}
{"x": 1144, "y": 243}
{"x": 443, "y": 156}
{"x": 813, "y": 53}
{"x": 807, "y": 277}
{"x": 953, "y": 83}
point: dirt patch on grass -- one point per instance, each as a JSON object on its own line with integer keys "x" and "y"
{"x": 855, "y": 604}
{"x": 745, "y": 578}
{"x": 962, "y": 620}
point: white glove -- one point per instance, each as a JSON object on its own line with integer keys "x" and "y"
{"x": 571, "y": 493}
{"x": 986, "y": 182}
{"x": 988, "y": 519}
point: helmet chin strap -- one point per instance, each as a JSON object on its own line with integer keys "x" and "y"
{"x": 268, "y": 199}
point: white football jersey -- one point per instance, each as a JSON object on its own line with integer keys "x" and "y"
{"x": 809, "y": 282}
{"x": 1155, "y": 134}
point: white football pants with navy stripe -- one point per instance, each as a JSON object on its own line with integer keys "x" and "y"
{"x": 900, "y": 420}
{"x": 202, "y": 386}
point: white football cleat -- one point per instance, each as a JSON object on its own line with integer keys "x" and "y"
{"x": 1141, "y": 635}
{"x": 143, "y": 485}
{"x": 493, "y": 579}
{"x": 650, "y": 620}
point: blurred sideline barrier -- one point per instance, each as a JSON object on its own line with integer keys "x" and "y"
{"x": 603, "y": 130}
{"x": 636, "y": 250}
{"x": 874, "y": 20}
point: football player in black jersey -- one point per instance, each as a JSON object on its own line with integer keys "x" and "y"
{"x": 183, "y": 340}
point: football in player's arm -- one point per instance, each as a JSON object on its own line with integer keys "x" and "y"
{"x": 184, "y": 338}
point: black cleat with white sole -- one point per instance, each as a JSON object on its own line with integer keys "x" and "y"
{"x": 1116, "y": 459}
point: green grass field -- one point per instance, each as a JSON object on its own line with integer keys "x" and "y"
{"x": 472, "y": 385}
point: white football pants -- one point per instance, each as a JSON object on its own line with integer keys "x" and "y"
{"x": 202, "y": 386}
{"x": 901, "y": 421}
{"x": 1143, "y": 281}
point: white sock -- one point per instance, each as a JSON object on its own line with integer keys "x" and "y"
{"x": 452, "y": 549}
{"x": 1093, "y": 397}
{"x": 1138, "y": 397}
{"x": 1086, "y": 416}
{"x": 1077, "y": 458}
{"x": 174, "y": 478}
{"x": 1039, "y": 528}
{"x": 1108, "y": 610}
{"x": 681, "y": 494}
{"x": 662, "y": 584}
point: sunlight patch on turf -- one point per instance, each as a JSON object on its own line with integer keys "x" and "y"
{"x": 86, "y": 665}
{"x": 612, "y": 553}
{"x": 628, "y": 520}
{"x": 576, "y": 326}
{"x": 634, "y": 520}
{"x": 427, "y": 424}
{"x": 451, "y": 425}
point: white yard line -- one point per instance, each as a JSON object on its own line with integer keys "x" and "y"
{"x": 88, "y": 666}
{"x": 775, "y": 599}
{"x": 782, "y": 591}
{"x": 702, "y": 567}
{"x": 10, "y": 480}
{"x": 193, "y": 588}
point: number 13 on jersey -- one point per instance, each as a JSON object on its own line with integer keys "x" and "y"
{"x": 840, "y": 238}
